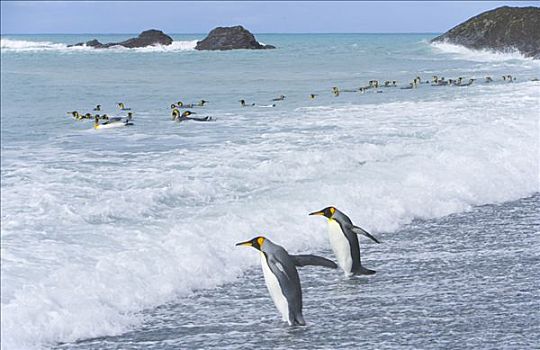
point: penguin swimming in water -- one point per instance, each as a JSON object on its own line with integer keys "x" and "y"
{"x": 312, "y": 96}
{"x": 244, "y": 104}
{"x": 122, "y": 107}
{"x": 79, "y": 116}
{"x": 75, "y": 115}
{"x": 470, "y": 82}
{"x": 127, "y": 119}
{"x": 335, "y": 91}
{"x": 176, "y": 116}
{"x": 440, "y": 82}
{"x": 182, "y": 105}
{"x": 281, "y": 276}
{"x": 111, "y": 124}
{"x": 280, "y": 98}
{"x": 343, "y": 238}
{"x": 410, "y": 86}
{"x": 98, "y": 108}
{"x": 201, "y": 103}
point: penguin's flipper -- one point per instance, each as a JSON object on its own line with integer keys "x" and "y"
{"x": 361, "y": 231}
{"x": 314, "y": 260}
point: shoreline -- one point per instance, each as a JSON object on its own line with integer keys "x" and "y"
{"x": 360, "y": 304}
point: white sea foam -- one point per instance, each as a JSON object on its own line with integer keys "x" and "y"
{"x": 89, "y": 239}
{"x": 9, "y": 45}
{"x": 478, "y": 55}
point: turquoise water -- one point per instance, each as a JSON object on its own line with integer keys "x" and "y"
{"x": 102, "y": 229}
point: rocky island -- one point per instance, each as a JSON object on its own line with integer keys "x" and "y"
{"x": 230, "y": 38}
{"x": 503, "y": 29}
{"x": 146, "y": 38}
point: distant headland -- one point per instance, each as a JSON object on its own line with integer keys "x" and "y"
{"x": 502, "y": 29}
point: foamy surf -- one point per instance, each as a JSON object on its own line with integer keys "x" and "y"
{"x": 161, "y": 225}
{"x": 462, "y": 52}
{"x": 9, "y": 45}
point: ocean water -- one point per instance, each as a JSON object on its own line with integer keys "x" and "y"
{"x": 124, "y": 238}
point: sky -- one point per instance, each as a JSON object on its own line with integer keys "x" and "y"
{"x": 36, "y": 17}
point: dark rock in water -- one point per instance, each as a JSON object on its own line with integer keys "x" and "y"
{"x": 230, "y": 38}
{"x": 92, "y": 43}
{"x": 502, "y": 29}
{"x": 146, "y": 38}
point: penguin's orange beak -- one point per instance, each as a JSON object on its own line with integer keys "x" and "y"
{"x": 246, "y": 243}
{"x": 317, "y": 213}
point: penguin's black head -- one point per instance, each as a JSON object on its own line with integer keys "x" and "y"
{"x": 327, "y": 212}
{"x": 256, "y": 243}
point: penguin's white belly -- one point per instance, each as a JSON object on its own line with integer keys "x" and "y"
{"x": 275, "y": 290}
{"x": 340, "y": 246}
{"x": 111, "y": 125}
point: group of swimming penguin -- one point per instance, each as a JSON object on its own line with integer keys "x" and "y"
{"x": 417, "y": 81}
{"x": 108, "y": 122}
{"x": 105, "y": 122}
{"x": 279, "y": 267}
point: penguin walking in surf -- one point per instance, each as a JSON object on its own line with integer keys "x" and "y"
{"x": 281, "y": 276}
{"x": 343, "y": 238}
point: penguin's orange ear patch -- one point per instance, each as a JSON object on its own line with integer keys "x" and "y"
{"x": 260, "y": 240}
{"x": 332, "y": 210}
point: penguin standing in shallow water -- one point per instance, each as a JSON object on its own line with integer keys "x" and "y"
{"x": 343, "y": 238}
{"x": 281, "y": 277}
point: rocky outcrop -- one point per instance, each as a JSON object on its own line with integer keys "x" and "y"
{"x": 230, "y": 38}
{"x": 146, "y": 38}
{"x": 503, "y": 29}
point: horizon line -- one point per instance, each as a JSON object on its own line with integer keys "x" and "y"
{"x": 254, "y": 33}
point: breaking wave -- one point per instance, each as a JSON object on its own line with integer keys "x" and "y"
{"x": 461, "y": 52}
{"x": 9, "y": 45}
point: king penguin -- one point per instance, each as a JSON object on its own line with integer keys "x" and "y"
{"x": 281, "y": 276}
{"x": 342, "y": 233}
